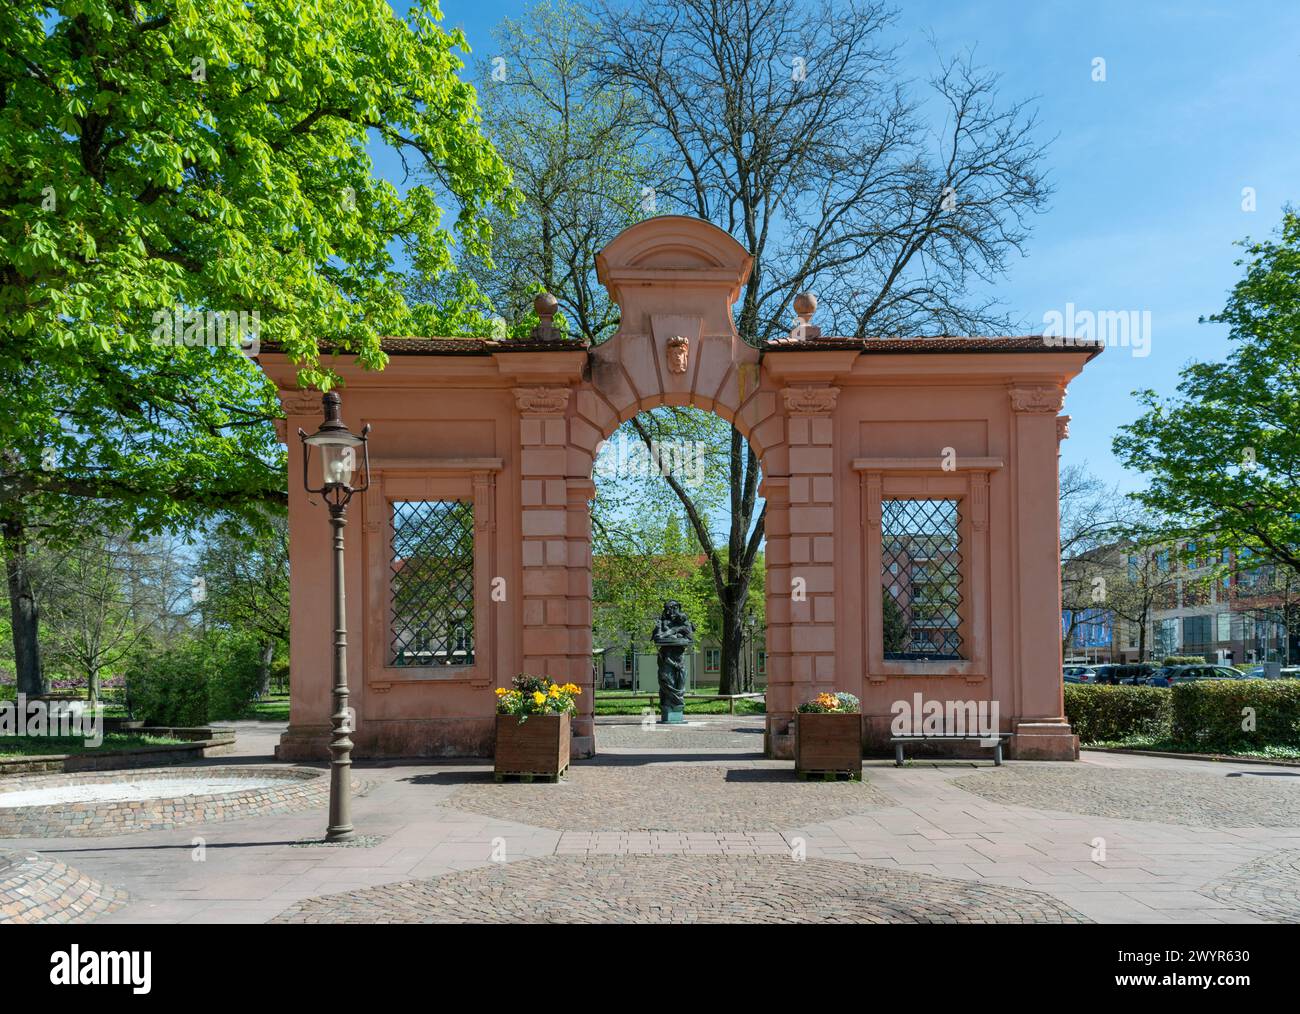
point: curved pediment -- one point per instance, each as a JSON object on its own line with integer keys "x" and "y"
{"x": 673, "y": 243}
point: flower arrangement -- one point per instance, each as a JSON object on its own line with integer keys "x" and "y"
{"x": 838, "y": 703}
{"x": 537, "y": 695}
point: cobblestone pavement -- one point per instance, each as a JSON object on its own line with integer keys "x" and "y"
{"x": 670, "y": 797}
{"x": 34, "y": 889}
{"x": 661, "y": 889}
{"x": 1227, "y": 798}
{"x": 916, "y": 828}
{"x": 1268, "y": 887}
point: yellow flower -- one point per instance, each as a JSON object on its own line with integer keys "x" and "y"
{"x": 539, "y": 697}
{"x": 571, "y": 688}
{"x": 555, "y": 691}
{"x": 502, "y": 691}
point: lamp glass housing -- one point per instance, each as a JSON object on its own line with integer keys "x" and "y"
{"x": 338, "y": 455}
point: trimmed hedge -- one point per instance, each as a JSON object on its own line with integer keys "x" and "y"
{"x": 1108, "y": 713}
{"x": 207, "y": 678}
{"x": 1209, "y": 714}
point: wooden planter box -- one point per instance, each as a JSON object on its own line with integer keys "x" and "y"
{"x": 536, "y": 748}
{"x": 828, "y": 745}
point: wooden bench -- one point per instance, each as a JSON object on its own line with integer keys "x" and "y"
{"x": 901, "y": 741}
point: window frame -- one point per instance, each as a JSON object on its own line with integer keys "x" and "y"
{"x": 472, "y": 480}
{"x": 429, "y": 634}
{"x": 923, "y": 568}
{"x": 969, "y": 483}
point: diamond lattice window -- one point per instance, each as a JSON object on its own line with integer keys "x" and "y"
{"x": 921, "y": 578}
{"x": 431, "y": 619}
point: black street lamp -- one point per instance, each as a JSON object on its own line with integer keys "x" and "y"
{"x": 338, "y": 453}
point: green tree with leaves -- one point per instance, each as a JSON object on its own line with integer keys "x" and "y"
{"x": 164, "y": 165}
{"x": 1222, "y": 457}
{"x": 244, "y": 572}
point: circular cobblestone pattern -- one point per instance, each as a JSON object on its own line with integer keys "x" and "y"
{"x": 670, "y": 797}
{"x": 677, "y": 889}
{"x": 1267, "y": 887}
{"x": 1174, "y": 797}
{"x": 34, "y": 889}
{"x": 293, "y": 789}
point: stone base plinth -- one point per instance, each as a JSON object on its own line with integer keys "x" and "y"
{"x": 304, "y": 743}
{"x": 778, "y": 738}
{"x": 416, "y": 737}
{"x": 1044, "y": 740}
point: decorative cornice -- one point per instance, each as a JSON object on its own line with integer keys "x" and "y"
{"x": 809, "y": 400}
{"x": 1037, "y": 399}
{"x": 542, "y": 400}
{"x": 299, "y": 402}
{"x": 1062, "y": 428}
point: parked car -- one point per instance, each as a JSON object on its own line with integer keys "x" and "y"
{"x": 1139, "y": 674}
{"x": 1175, "y": 674}
{"x": 1122, "y": 673}
{"x": 1159, "y": 678}
{"x": 1079, "y": 674}
{"x": 1259, "y": 672}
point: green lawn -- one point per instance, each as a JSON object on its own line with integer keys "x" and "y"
{"x": 36, "y": 746}
{"x": 1166, "y": 745}
{"x": 624, "y": 702}
{"x": 273, "y": 708}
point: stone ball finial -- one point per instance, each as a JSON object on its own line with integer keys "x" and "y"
{"x": 805, "y": 305}
{"x": 546, "y": 305}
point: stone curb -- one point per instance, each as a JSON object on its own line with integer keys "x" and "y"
{"x": 301, "y": 789}
{"x": 1219, "y": 758}
{"x": 113, "y": 760}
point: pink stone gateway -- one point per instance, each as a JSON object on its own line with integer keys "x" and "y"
{"x": 912, "y": 532}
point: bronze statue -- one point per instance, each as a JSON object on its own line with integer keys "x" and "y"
{"x": 673, "y": 633}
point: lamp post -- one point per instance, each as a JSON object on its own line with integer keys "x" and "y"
{"x": 747, "y": 683}
{"x": 338, "y": 453}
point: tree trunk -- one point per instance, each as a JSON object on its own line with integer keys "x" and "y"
{"x": 92, "y": 685}
{"x": 264, "y": 669}
{"x": 23, "y": 611}
{"x": 733, "y": 642}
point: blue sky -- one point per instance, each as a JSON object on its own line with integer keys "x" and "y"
{"x": 1199, "y": 102}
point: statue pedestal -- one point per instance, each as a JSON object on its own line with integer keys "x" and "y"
{"x": 672, "y": 679}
